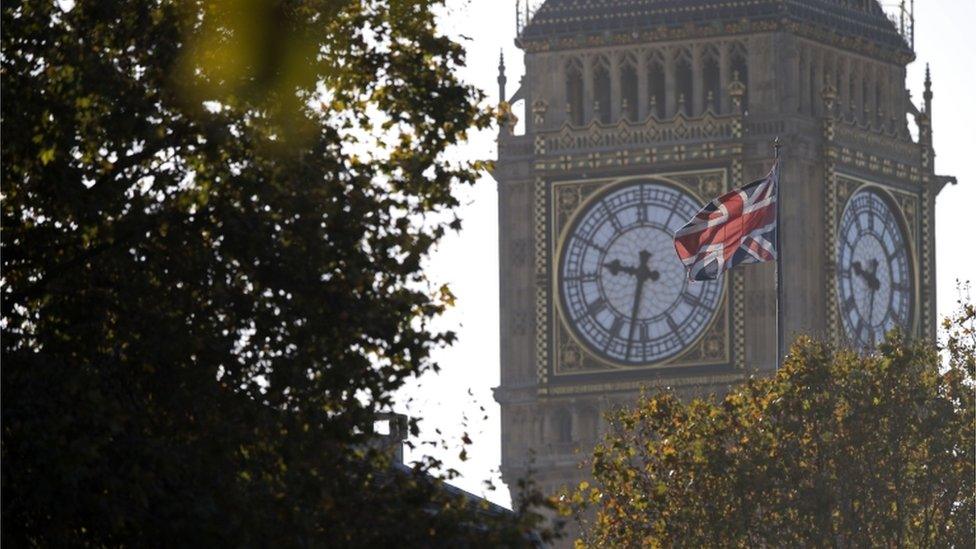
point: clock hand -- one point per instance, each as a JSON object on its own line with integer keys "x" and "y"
{"x": 633, "y": 315}
{"x": 641, "y": 271}
{"x": 615, "y": 268}
{"x": 871, "y": 307}
{"x": 868, "y": 276}
{"x": 643, "y": 274}
{"x": 872, "y": 278}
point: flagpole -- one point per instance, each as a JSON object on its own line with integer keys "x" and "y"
{"x": 779, "y": 260}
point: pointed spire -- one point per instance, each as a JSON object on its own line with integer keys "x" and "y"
{"x": 502, "y": 79}
{"x": 927, "y": 96}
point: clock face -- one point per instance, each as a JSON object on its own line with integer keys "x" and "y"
{"x": 623, "y": 290}
{"x": 874, "y": 276}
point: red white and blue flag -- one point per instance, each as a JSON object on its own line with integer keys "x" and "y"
{"x": 737, "y": 228}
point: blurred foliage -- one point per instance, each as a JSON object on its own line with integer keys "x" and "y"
{"x": 837, "y": 449}
{"x": 214, "y": 217}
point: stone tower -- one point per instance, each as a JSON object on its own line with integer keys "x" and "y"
{"x": 636, "y": 113}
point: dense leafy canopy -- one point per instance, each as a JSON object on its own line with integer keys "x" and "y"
{"x": 836, "y": 450}
{"x": 214, "y": 216}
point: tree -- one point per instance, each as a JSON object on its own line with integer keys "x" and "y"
{"x": 214, "y": 218}
{"x": 837, "y": 449}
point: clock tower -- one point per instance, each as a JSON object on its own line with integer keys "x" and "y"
{"x": 637, "y": 113}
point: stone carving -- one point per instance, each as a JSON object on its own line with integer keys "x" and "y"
{"x": 568, "y": 199}
{"x": 711, "y": 348}
{"x": 710, "y": 186}
{"x": 539, "y": 109}
{"x": 571, "y": 357}
{"x": 909, "y": 208}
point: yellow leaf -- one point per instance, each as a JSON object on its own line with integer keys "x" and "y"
{"x": 46, "y": 156}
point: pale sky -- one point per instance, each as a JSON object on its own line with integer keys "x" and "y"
{"x": 468, "y": 261}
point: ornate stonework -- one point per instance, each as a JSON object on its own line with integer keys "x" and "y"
{"x": 860, "y": 27}
{"x": 714, "y": 347}
{"x": 843, "y": 186}
{"x": 541, "y": 290}
{"x": 927, "y": 263}
{"x": 694, "y": 101}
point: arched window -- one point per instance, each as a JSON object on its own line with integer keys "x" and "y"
{"x": 562, "y": 426}
{"x": 803, "y": 97}
{"x": 852, "y": 92}
{"x": 574, "y": 92}
{"x": 838, "y": 83}
{"x": 685, "y": 80}
{"x": 655, "y": 88}
{"x": 712, "y": 80}
{"x": 865, "y": 101}
{"x": 740, "y": 70}
{"x": 827, "y": 79}
{"x": 601, "y": 90}
{"x": 589, "y": 420}
{"x": 628, "y": 90}
{"x": 814, "y": 93}
{"x": 879, "y": 106}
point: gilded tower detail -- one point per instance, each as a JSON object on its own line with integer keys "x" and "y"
{"x": 636, "y": 113}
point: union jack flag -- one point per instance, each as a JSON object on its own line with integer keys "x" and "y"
{"x": 737, "y": 228}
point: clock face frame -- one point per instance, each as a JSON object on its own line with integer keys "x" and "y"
{"x": 875, "y": 269}
{"x": 622, "y": 292}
